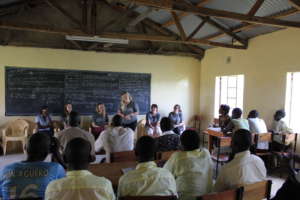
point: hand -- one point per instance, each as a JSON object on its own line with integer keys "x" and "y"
{"x": 128, "y": 117}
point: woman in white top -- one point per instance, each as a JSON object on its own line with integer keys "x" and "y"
{"x": 115, "y": 138}
{"x": 257, "y": 125}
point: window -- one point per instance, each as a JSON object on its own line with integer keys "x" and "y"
{"x": 229, "y": 90}
{"x": 292, "y": 100}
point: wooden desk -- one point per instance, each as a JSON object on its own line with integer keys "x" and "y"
{"x": 111, "y": 171}
{"x": 222, "y": 141}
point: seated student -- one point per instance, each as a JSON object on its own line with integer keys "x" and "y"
{"x": 177, "y": 119}
{"x": 115, "y": 138}
{"x": 147, "y": 179}
{"x": 29, "y": 178}
{"x": 74, "y": 131}
{"x": 152, "y": 121}
{"x": 169, "y": 141}
{"x": 65, "y": 118}
{"x": 279, "y": 127}
{"x": 237, "y": 122}
{"x": 44, "y": 122}
{"x": 79, "y": 182}
{"x": 224, "y": 118}
{"x": 257, "y": 125}
{"x": 244, "y": 168}
{"x": 99, "y": 120}
{"x": 192, "y": 168}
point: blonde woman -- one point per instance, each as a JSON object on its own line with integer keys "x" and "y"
{"x": 99, "y": 120}
{"x": 128, "y": 110}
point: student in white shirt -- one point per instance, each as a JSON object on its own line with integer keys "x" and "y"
{"x": 279, "y": 127}
{"x": 79, "y": 184}
{"x": 237, "y": 122}
{"x": 257, "y": 125}
{"x": 74, "y": 131}
{"x": 147, "y": 179}
{"x": 245, "y": 168}
{"x": 115, "y": 138}
{"x": 192, "y": 168}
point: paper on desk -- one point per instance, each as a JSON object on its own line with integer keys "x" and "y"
{"x": 218, "y": 129}
{"x": 126, "y": 170}
{"x": 98, "y": 159}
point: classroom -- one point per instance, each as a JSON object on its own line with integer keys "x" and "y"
{"x": 192, "y": 50}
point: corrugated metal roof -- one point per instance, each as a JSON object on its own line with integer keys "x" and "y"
{"x": 190, "y": 22}
{"x": 271, "y": 7}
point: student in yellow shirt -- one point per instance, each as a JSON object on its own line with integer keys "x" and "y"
{"x": 192, "y": 168}
{"x": 147, "y": 179}
{"x": 79, "y": 184}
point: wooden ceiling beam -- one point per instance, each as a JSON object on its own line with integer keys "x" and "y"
{"x": 255, "y": 7}
{"x": 141, "y": 17}
{"x": 218, "y": 25}
{"x": 197, "y": 29}
{"x": 56, "y": 6}
{"x": 247, "y": 26}
{"x": 181, "y": 7}
{"x": 154, "y": 26}
{"x": 182, "y": 15}
{"x": 179, "y": 26}
{"x": 295, "y": 3}
{"x": 127, "y": 36}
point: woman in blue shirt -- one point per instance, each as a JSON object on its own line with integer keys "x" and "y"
{"x": 44, "y": 121}
{"x": 99, "y": 120}
{"x": 177, "y": 119}
{"x": 128, "y": 110}
{"x": 152, "y": 121}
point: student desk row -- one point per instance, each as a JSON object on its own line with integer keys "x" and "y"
{"x": 111, "y": 171}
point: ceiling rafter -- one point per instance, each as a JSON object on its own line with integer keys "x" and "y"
{"x": 182, "y": 15}
{"x": 247, "y": 26}
{"x": 255, "y": 7}
{"x": 197, "y": 29}
{"x": 156, "y": 27}
{"x": 127, "y": 36}
{"x": 170, "y": 5}
{"x": 179, "y": 26}
{"x": 295, "y": 3}
{"x": 218, "y": 25}
{"x": 56, "y": 6}
{"x": 141, "y": 17}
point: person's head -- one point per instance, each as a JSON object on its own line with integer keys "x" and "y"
{"x": 116, "y": 121}
{"x": 145, "y": 149}
{"x": 241, "y": 141}
{"x": 190, "y": 140}
{"x": 126, "y": 98}
{"x": 253, "y": 114}
{"x": 166, "y": 124}
{"x": 177, "y": 108}
{"x": 74, "y": 119}
{"x": 44, "y": 110}
{"x": 100, "y": 108}
{"x": 38, "y": 147}
{"x": 154, "y": 108}
{"x": 237, "y": 113}
{"x": 77, "y": 154}
{"x": 224, "y": 109}
{"x": 279, "y": 114}
{"x": 68, "y": 108}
